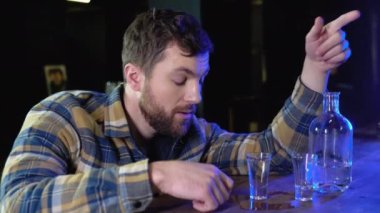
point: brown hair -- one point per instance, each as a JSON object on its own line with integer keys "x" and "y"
{"x": 151, "y": 32}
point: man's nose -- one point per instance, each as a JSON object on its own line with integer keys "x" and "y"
{"x": 193, "y": 94}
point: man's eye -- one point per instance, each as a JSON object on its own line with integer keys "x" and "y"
{"x": 179, "y": 81}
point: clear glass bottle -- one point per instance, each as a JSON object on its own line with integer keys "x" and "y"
{"x": 331, "y": 139}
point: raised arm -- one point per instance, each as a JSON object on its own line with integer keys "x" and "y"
{"x": 326, "y": 48}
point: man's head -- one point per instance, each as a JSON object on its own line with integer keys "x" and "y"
{"x": 151, "y": 32}
{"x": 165, "y": 59}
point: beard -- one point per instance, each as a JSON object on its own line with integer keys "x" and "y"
{"x": 164, "y": 123}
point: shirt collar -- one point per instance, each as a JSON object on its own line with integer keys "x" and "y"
{"x": 115, "y": 120}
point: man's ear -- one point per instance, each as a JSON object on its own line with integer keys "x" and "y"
{"x": 134, "y": 76}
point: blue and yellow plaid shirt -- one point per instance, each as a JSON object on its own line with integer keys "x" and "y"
{"x": 75, "y": 152}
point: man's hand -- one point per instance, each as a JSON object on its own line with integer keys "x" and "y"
{"x": 204, "y": 184}
{"x": 327, "y": 45}
{"x": 326, "y": 48}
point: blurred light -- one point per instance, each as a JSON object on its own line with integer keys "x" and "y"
{"x": 80, "y": 1}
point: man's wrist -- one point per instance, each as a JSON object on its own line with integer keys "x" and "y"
{"x": 313, "y": 77}
{"x": 154, "y": 177}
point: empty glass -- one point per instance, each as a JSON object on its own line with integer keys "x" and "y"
{"x": 258, "y": 172}
{"x": 303, "y": 165}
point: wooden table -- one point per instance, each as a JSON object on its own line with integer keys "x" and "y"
{"x": 362, "y": 196}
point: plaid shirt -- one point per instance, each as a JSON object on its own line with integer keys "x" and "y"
{"x": 75, "y": 152}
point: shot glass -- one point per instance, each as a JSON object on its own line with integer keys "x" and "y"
{"x": 303, "y": 165}
{"x": 258, "y": 172}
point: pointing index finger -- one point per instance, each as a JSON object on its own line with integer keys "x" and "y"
{"x": 343, "y": 20}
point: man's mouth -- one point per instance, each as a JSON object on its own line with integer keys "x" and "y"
{"x": 186, "y": 110}
{"x": 186, "y": 114}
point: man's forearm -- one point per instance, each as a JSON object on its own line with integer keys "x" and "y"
{"x": 121, "y": 189}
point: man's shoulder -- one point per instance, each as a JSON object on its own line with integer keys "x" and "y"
{"x": 72, "y": 106}
{"x": 74, "y": 98}
{"x": 66, "y": 102}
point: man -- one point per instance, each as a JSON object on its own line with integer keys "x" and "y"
{"x": 86, "y": 151}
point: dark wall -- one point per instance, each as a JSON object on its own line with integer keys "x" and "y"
{"x": 233, "y": 79}
{"x": 228, "y": 25}
{"x": 285, "y": 26}
{"x": 94, "y": 38}
{"x": 32, "y": 37}
{"x": 86, "y": 38}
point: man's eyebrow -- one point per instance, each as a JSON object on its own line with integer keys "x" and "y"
{"x": 186, "y": 70}
{"x": 190, "y": 72}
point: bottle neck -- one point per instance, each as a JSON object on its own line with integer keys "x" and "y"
{"x": 331, "y": 102}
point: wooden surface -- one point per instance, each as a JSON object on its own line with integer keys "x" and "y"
{"x": 362, "y": 196}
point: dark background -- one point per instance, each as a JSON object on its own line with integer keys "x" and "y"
{"x": 259, "y": 51}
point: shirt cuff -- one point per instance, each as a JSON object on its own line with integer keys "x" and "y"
{"x": 134, "y": 186}
{"x": 306, "y": 99}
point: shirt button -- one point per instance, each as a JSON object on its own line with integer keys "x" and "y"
{"x": 137, "y": 204}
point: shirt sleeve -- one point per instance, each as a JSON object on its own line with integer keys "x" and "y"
{"x": 37, "y": 178}
{"x": 287, "y": 133}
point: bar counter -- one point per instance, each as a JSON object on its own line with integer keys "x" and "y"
{"x": 363, "y": 194}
